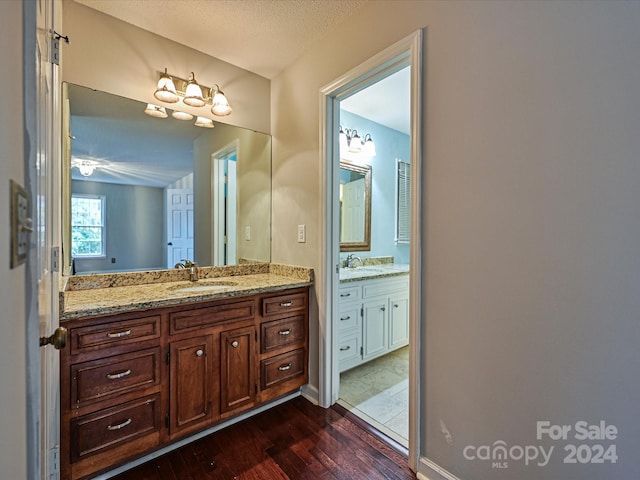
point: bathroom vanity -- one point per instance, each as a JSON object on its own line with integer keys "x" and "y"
{"x": 148, "y": 364}
{"x": 373, "y": 312}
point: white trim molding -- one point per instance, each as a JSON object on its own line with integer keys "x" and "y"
{"x": 407, "y": 51}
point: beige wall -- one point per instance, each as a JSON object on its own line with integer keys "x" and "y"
{"x": 13, "y": 393}
{"x": 530, "y": 208}
{"x": 113, "y": 56}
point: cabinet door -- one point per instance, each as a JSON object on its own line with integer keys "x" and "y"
{"x": 192, "y": 383}
{"x": 398, "y": 320}
{"x": 237, "y": 376}
{"x": 375, "y": 328}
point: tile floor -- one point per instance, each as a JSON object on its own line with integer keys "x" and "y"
{"x": 378, "y": 392}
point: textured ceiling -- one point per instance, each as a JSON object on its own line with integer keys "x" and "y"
{"x": 262, "y": 36}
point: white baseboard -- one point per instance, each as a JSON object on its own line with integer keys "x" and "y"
{"x": 311, "y": 393}
{"x": 429, "y": 470}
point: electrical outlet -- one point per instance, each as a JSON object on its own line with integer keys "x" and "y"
{"x": 302, "y": 233}
{"x": 247, "y": 233}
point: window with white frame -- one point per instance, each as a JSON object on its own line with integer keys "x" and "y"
{"x": 88, "y": 225}
{"x": 403, "y": 199}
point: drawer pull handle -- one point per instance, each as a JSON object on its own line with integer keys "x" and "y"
{"x": 120, "y": 425}
{"x": 116, "y": 376}
{"x": 119, "y": 334}
{"x": 345, "y": 318}
{"x": 344, "y": 349}
{"x": 285, "y": 332}
{"x": 235, "y": 344}
{"x": 345, "y": 294}
{"x": 286, "y": 304}
{"x": 282, "y": 368}
{"x": 199, "y": 353}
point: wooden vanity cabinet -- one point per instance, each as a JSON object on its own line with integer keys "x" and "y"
{"x": 284, "y": 352}
{"x": 132, "y": 383}
{"x": 111, "y": 392}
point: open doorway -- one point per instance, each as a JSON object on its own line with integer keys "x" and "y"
{"x": 373, "y": 316}
{"x": 373, "y": 308}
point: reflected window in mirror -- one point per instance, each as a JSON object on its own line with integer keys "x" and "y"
{"x": 355, "y": 207}
{"x": 88, "y": 226}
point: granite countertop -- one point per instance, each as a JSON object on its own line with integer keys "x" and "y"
{"x": 88, "y": 295}
{"x": 367, "y": 272}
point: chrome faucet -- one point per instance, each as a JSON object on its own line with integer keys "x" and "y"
{"x": 351, "y": 259}
{"x": 192, "y": 266}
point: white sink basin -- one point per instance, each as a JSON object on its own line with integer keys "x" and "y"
{"x": 203, "y": 287}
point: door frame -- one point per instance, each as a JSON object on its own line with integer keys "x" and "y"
{"x": 225, "y": 212}
{"x": 408, "y": 50}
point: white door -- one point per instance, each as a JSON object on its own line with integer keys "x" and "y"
{"x": 179, "y": 225}
{"x": 231, "y": 213}
{"x": 352, "y": 228}
{"x": 47, "y": 230}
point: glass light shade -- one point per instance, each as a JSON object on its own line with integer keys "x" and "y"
{"x": 355, "y": 145}
{"x": 221, "y": 105}
{"x": 369, "y": 148}
{"x": 166, "y": 90}
{"x": 193, "y": 94}
{"x": 342, "y": 139}
{"x": 181, "y": 115}
{"x": 204, "y": 122}
{"x": 155, "y": 111}
{"x": 86, "y": 168}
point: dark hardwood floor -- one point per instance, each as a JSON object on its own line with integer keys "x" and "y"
{"x": 295, "y": 440}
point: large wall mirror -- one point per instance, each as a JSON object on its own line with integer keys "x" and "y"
{"x": 148, "y": 192}
{"x": 355, "y": 207}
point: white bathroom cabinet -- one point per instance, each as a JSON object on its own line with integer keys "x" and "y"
{"x": 373, "y": 319}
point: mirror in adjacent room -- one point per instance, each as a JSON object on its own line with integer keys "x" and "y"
{"x": 355, "y": 207}
{"x": 167, "y": 189}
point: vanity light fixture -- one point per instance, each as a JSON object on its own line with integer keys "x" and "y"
{"x": 171, "y": 88}
{"x": 86, "y": 167}
{"x": 350, "y": 141}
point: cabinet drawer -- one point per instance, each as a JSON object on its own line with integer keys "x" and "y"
{"x": 385, "y": 286}
{"x": 348, "y": 349}
{"x": 284, "y": 303}
{"x": 349, "y": 317}
{"x": 279, "y": 333}
{"x": 113, "y": 426}
{"x": 349, "y": 294}
{"x": 100, "y": 379}
{"x": 225, "y": 312}
{"x": 113, "y": 334}
{"x": 282, "y": 367}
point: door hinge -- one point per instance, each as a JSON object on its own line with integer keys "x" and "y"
{"x": 168, "y": 357}
{"x": 167, "y": 419}
{"x": 361, "y": 351}
{"x": 54, "y": 461}
{"x": 55, "y": 47}
{"x": 256, "y": 334}
{"x": 256, "y": 385}
{"x": 55, "y": 259}
{"x": 362, "y": 312}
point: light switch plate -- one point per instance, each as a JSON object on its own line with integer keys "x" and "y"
{"x": 20, "y": 224}
{"x": 302, "y": 233}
